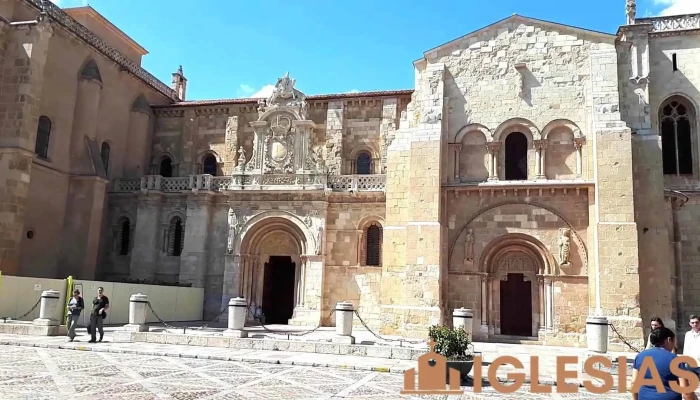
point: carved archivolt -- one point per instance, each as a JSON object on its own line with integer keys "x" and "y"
{"x": 251, "y": 234}
{"x": 583, "y": 249}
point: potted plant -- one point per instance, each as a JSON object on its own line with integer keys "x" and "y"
{"x": 455, "y": 346}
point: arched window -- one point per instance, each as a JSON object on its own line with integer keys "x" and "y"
{"x": 166, "y": 167}
{"x": 43, "y": 135}
{"x": 176, "y": 237}
{"x": 124, "y": 239}
{"x": 104, "y": 153}
{"x": 677, "y": 119}
{"x": 363, "y": 164}
{"x": 373, "y": 245}
{"x": 516, "y": 157}
{"x": 209, "y": 165}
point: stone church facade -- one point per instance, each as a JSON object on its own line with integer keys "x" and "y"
{"x": 537, "y": 173}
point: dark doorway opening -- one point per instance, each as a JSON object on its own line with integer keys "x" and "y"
{"x": 278, "y": 290}
{"x": 516, "y": 306}
{"x": 516, "y": 157}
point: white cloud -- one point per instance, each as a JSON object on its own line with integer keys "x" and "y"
{"x": 354, "y": 91}
{"x": 247, "y": 91}
{"x": 678, "y": 7}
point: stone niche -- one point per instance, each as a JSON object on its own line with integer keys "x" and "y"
{"x": 283, "y": 153}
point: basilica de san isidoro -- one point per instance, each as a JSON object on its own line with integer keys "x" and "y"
{"x": 537, "y": 173}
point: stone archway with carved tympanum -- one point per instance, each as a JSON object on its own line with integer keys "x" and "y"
{"x": 516, "y": 298}
{"x": 273, "y": 265}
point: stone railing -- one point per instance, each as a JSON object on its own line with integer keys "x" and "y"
{"x": 338, "y": 183}
{"x": 62, "y": 18}
{"x": 672, "y": 23}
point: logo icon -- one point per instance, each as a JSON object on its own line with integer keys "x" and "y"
{"x": 432, "y": 375}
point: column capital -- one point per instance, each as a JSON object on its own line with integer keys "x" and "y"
{"x": 540, "y": 144}
{"x": 493, "y": 147}
{"x": 579, "y": 142}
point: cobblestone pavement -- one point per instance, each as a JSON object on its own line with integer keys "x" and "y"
{"x": 45, "y": 373}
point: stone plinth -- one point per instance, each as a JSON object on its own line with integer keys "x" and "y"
{"x": 138, "y": 310}
{"x": 463, "y": 318}
{"x": 237, "y": 308}
{"x": 343, "y": 323}
{"x": 50, "y": 312}
{"x": 597, "y": 333}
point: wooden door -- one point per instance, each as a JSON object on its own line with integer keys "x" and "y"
{"x": 516, "y": 306}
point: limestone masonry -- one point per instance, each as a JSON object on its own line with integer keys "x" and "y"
{"x": 536, "y": 174}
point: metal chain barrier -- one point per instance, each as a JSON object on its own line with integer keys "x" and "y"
{"x": 385, "y": 339}
{"x": 167, "y": 326}
{"x": 622, "y": 338}
{"x": 206, "y": 325}
{"x": 257, "y": 318}
{"x": 4, "y": 319}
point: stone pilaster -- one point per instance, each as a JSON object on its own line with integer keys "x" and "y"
{"x": 188, "y": 143}
{"x": 412, "y": 255}
{"x": 193, "y": 261}
{"x": 309, "y": 313}
{"x": 137, "y": 153}
{"x": 149, "y": 241}
{"x": 231, "y": 144}
{"x": 334, "y": 137}
{"x": 23, "y": 53}
{"x": 616, "y": 251}
{"x": 387, "y": 129}
{"x": 655, "y": 269}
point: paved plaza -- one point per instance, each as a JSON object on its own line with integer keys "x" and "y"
{"x": 46, "y": 373}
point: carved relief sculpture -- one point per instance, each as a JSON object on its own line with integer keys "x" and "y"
{"x": 631, "y": 11}
{"x": 564, "y": 243}
{"x": 284, "y": 89}
{"x": 431, "y": 117}
{"x": 241, "y": 159}
{"x": 231, "y": 137}
{"x": 469, "y": 245}
{"x": 319, "y": 240}
{"x": 232, "y": 230}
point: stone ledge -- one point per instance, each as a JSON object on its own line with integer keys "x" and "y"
{"x": 388, "y": 352}
{"x": 29, "y": 329}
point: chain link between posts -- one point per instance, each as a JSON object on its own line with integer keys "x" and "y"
{"x": 4, "y": 319}
{"x": 622, "y": 338}
{"x": 257, "y": 318}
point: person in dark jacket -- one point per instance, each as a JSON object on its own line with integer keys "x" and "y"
{"x": 99, "y": 312}
{"x": 75, "y": 307}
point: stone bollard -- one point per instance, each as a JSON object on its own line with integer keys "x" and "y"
{"x": 597, "y": 333}
{"x": 50, "y": 310}
{"x": 138, "y": 310}
{"x": 463, "y": 318}
{"x": 343, "y": 323}
{"x": 236, "y": 318}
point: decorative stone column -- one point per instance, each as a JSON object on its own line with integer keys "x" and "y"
{"x": 463, "y": 318}
{"x": 492, "y": 149}
{"x": 138, "y": 310}
{"x": 50, "y": 309}
{"x": 549, "y": 303}
{"x": 302, "y": 279}
{"x": 542, "y": 305}
{"x": 343, "y": 323}
{"x": 540, "y": 147}
{"x": 578, "y": 145}
{"x": 456, "y": 149}
{"x": 484, "y": 301}
{"x": 260, "y": 129}
{"x": 309, "y": 312}
{"x": 237, "y": 308}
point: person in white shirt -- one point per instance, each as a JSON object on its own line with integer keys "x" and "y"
{"x": 691, "y": 344}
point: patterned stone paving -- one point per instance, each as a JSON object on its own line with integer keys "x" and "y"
{"x": 44, "y": 373}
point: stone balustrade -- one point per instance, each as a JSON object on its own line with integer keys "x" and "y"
{"x": 336, "y": 183}
{"x": 672, "y": 23}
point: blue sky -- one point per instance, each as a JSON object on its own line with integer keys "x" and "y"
{"x": 236, "y": 48}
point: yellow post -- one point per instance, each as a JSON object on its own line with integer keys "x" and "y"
{"x": 69, "y": 293}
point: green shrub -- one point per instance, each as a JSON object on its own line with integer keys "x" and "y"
{"x": 454, "y": 344}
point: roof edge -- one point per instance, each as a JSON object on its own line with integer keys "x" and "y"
{"x": 251, "y": 100}
{"x": 94, "y": 13}
{"x": 520, "y": 18}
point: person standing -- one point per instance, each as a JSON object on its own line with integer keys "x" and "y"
{"x": 691, "y": 344}
{"x": 75, "y": 307}
{"x": 99, "y": 312}
{"x": 656, "y": 323}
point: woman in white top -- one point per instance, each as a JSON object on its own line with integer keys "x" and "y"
{"x": 656, "y": 323}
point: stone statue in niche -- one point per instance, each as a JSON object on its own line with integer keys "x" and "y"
{"x": 564, "y": 243}
{"x": 262, "y": 106}
{"x": 469, "y": 245}
{"x": 631, "y": 11}
{"x": 241, "y": 159}
{"x": 304, "y": 110}
{"x": 232, "y": 230}
{"x": 319, "y": 240}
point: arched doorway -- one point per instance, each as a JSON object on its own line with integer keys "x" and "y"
{"x": 516, "y": 157}
{"x": 272, "y": 272}
{"x": 516, "y": 285}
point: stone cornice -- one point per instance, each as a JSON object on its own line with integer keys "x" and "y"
{"x": 66, "y": 21}
{"x": 674, "y": 24}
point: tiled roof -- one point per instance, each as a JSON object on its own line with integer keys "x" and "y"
{"x": 337, "y": 96}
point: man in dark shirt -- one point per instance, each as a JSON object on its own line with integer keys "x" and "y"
{"x": 99, "y": 312}
{"x": 75, "y": 306}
